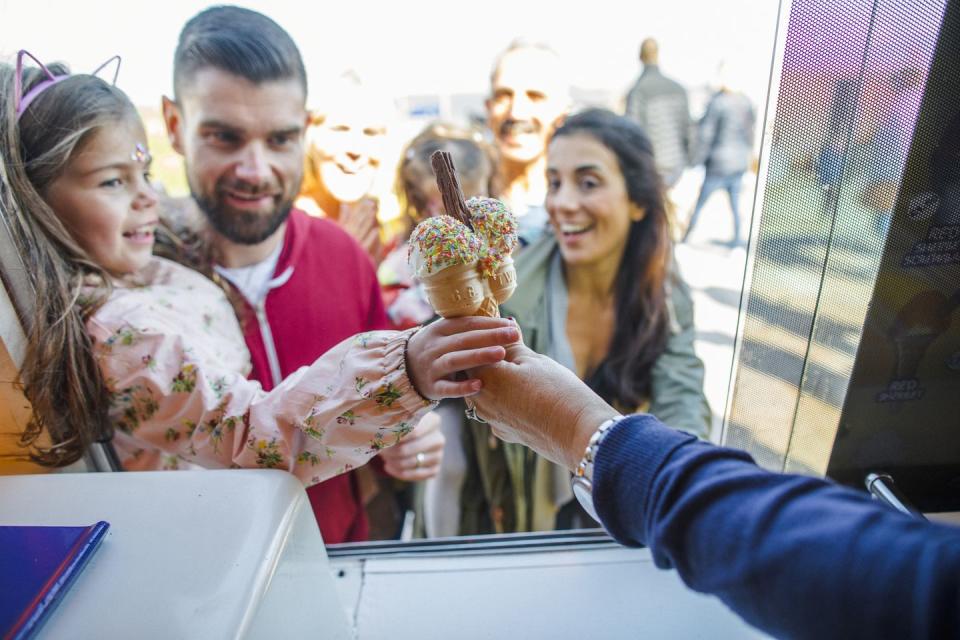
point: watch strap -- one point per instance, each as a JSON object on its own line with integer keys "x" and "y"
{"x": 584, "y": 470}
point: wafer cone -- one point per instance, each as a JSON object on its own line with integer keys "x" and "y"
{"x": 455, "y": 291}
{"x": 488, "y": 308}
{"x": 503, "y": 282}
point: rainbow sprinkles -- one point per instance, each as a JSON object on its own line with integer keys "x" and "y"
{"x": 497, "y": 227}
{"x": 440, "y": 242}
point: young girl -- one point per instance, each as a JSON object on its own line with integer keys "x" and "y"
{"x": 123, "y": 340}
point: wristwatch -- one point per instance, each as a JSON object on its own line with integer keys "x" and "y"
{"x": 582, "y": 480}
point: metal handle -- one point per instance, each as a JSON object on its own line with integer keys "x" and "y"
{"x": 882, "y": 487}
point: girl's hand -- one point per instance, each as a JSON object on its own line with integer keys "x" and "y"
{"x": 445, "y": 347}
{"x": 419, "y": 454}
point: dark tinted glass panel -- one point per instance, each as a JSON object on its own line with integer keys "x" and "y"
{"x": 853, "y": 154}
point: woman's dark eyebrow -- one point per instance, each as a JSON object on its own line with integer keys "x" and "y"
{"x": 581, "y": 169}
{"x": 584, "y": 168}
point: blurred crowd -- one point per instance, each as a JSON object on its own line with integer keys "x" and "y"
{"x": 598, "y": 287}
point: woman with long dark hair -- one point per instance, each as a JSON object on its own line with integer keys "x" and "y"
{"x": 602, "y": 296}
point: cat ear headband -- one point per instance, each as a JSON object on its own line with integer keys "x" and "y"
{"x": 23, "y": 101}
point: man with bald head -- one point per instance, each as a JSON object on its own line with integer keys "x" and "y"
{"x": 529, "y": 97}
{"x": 660, "y": 106}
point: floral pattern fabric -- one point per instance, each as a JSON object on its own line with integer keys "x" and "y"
{"x": 175, "y": 363}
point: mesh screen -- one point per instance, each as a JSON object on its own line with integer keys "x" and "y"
{"x": 900, "y": 415}
{"x": 837, "y": 140}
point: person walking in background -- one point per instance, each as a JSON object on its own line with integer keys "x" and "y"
{"x": 830, "y": 161}
{"x": 724, "y": 147}
{"x": 660, "y": 106}
{"x": 891, "y": 145}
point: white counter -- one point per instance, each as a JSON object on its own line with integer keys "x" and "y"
{"x": 208, "y": 554}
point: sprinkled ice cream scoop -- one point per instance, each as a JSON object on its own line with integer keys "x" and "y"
{"x": 497, "y": 228}
{"x": 440, "y": 242}
{"x": 463, "y": 259}
{"x": 443, "y": 255}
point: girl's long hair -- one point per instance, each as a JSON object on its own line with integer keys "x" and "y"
{"x": 59, "y": 374}
{"x": 640, "y": 289}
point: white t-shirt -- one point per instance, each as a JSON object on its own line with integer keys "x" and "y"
{"x": 253, "y": 281}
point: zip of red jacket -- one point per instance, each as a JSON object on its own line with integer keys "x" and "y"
{"x": 323, "y": 291}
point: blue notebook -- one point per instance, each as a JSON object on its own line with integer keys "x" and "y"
{"x": 37, "y": 566}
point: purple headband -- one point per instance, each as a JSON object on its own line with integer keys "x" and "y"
{"x": 23, "y": 101}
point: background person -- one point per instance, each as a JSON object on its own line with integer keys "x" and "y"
{"x": 725, "y": 148}
{"x": 419, "y": 197}
{"x": 602, "y": 295}
{"x": 661, "y": 108}
{"x": 529, "y": 97}
{"x": 891, "y": 144}
{"x": 437, "y": 500}
{"x": 344, "y": 154}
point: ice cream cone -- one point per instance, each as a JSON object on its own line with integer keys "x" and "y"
{"x": 503, "y": 282}
{"x": 488, "y": 308}
{"x": 456, "y": 291}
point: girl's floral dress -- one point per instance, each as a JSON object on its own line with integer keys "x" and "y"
{"x": 175, "y": 362}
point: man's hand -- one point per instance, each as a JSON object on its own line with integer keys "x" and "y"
{"x": 530, "y": 399}
{"x": 419, "y": 454}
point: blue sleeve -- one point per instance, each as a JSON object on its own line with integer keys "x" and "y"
{"x": 793, "y": 555}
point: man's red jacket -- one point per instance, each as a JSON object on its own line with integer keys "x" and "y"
{"x": 324, "y": 290}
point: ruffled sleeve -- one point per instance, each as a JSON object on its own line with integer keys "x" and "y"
{"x": 322, "y": 420}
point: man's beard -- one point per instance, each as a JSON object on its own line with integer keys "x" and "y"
{"x": 242, "y": 227}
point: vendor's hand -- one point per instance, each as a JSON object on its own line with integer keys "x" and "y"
{"x": 530, "y": 399}
{"x": 442, "y": 348}
{"x": 359, "y": 219}
{"x": 419, "y": 453}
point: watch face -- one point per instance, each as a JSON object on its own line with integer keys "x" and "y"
{"x": 583, "y": 491}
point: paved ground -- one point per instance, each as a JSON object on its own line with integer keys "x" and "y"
{"x": 794, "y": 280}
{"x": 715, "y": 274}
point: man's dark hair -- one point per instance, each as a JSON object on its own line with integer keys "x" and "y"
{"x": 239, "y": 41}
